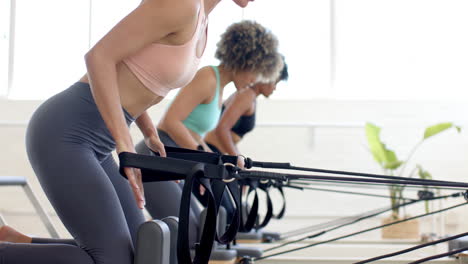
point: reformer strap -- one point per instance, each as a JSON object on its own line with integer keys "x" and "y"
{"x": 280, "y": 215}
{"x": 265, "y": 186}
{"x": 219, "y": 187}
{"x": 202, "y": 250}
{"x": 252, "y": 215}
{"x": 155, "y": 168}
{"x": 200, "y": 156}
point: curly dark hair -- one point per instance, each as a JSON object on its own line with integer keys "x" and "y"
{"x": 248, "y": 46}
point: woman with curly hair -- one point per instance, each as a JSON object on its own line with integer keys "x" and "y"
{"x": 238, "y": 115}
{"x": 247, "y": 52}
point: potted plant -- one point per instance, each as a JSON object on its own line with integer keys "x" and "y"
{"x": 392, "y": 165}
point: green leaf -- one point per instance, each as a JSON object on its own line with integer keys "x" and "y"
{"x": 436, "y": 129}
{"x": 386, "y": 158}
{"x": 375, "y": 145}
{"x": 393, "y": 165}
{"x": 424, "y": 174}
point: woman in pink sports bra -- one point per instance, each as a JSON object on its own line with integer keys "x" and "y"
{"x": 71, "y": 136}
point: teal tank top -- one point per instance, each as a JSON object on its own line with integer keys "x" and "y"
{"x": 205, "y": 117}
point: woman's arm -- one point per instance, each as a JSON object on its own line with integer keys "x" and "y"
{"x": 151, "y": 136}
{"x": 198, "y": 91}
{"x": 145, "y": 125}
{"x": 240, "y": 105}
{"x": 148, "y": 23}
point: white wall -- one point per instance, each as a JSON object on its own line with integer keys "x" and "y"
{"x": 325, "y": 146}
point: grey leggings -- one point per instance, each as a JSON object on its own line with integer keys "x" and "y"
{"x": 69, "y": 148}
{"x": 163, "y": 198}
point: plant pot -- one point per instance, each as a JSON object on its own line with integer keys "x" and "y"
{"x": 405, "y": 230}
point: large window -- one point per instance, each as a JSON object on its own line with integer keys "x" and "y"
{"x": 4, "y": 44}
{"x": 50, "y": 44}
{"x": 51, "y": 37}
{"x": 302, "y": 27}
{"x": 107, "y": 13}
{"x": 347, "y": 49}
{"x": 402, "y": 49}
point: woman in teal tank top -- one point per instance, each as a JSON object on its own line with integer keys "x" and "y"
{"x": 205, "y": 116}
{"x": 247, "y": 53}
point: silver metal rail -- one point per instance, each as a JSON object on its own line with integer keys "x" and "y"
{"x": 22, "y": 182}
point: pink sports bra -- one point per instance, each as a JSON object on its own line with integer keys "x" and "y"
{"x": 162, "y": 67}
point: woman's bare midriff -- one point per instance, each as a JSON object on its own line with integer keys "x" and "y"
{"x": 134, "y": 96}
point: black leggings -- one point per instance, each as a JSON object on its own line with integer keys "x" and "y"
{"x": 69, "y": 147}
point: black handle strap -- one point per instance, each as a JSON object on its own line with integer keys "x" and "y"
{"x": 265, "y": 187}
{"x": 192, "y": 167}
{"x": 202, "y": 250}
{"x": 155, "y": 168}
{"x": 219, "y": 187}
{"x": 200, "y": 156}
{"x": 252, "y": 215}
{"x": 177, "y": 165}
{"x": 280, "y": 215}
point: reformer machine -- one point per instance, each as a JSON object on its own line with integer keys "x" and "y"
{"x": 218, "y": 174}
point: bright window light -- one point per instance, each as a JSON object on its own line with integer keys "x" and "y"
{"x": 383, "y": 49}
{"x": 50, "y": 42}
{"x": 402, "y": 49}
{"x": 103, "y": 18}
{"x": 4, "y": 43}
{"x": 303, "y": 30}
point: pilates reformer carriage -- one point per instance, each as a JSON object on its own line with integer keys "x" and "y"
{"x": 166, "y": 241}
